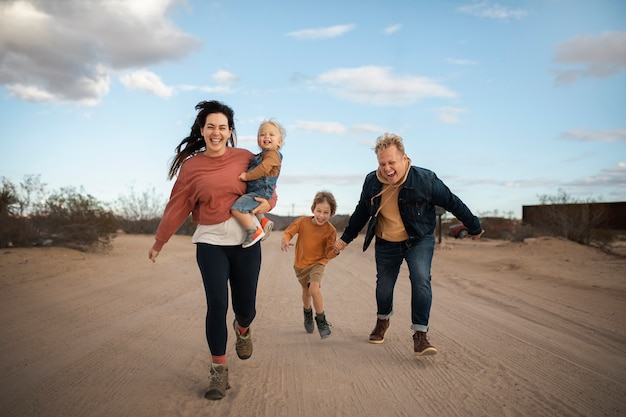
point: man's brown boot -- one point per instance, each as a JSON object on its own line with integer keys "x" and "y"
{"x": 421, "y": 345}
{"x": 378, "y": 334}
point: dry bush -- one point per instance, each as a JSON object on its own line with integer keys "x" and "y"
{"x": 67, "y": 218}
{"x": 573, "y": 219}
{"x": 142, "y": 227}
{"x": 16, "y": 231}
{"x": 71, "y": 219}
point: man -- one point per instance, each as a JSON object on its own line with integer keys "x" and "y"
{"x": 399, "y": 202}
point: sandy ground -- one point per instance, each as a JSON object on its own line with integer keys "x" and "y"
{"x": 522, "y": 329}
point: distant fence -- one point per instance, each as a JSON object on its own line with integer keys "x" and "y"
{"x": 602, "y": 215}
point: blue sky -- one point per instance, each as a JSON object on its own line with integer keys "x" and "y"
{"x": 506, "y": 101}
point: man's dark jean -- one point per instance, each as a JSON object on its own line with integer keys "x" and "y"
{"x": 418, "y": 254}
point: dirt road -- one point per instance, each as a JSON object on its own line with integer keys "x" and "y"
{"x": 522, "y": 329}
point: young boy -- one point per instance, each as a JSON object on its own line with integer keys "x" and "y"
{"x": 261, "y": 179}
{"x": 315, "y": 246}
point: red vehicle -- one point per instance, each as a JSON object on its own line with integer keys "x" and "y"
{"x": 458, "y": 231}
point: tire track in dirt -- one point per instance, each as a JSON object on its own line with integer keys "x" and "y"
{"x": 116, "y": 335}
{"x": 539, "y": 341}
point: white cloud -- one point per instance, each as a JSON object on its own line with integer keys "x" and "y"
{"x": 492, "y": 11}
{"x": 450, "y": 115}
{"x": 30, "y": 93}
{"x": 524, "y": 183}
{"x": 378, "y": 86}
{"x": 67, "y": 50}
{"x": 321, "y": 33}
{"x": 598, "y": 56}
{"x": 336, "y": 127}
{"x": 614, "y": 177}
{"x": 580, "y": 135}
{"x": 223, "y": 77}
{"x": 148, "y": 81}
{"x": 96, "y": 85}
{"x": 609, "y": 177}
{"x": 390, "y": 30}
{"x": 322, "y": 127}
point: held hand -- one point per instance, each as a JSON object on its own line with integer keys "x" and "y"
{"x": 476, "y": 237}
{"x": 284, "y": 246}
{"x": 152, "y": 255}
{"x": 340, "y": 245}
{"x": 263, "y": 207}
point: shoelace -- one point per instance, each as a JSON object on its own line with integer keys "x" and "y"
{"x": 421, "y": 337}
{"x": 216, "y": 376}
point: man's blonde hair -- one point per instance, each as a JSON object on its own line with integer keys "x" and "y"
{"x": 386, "y": 140}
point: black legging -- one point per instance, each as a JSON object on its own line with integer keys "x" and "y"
{"x": 218, "y": 265}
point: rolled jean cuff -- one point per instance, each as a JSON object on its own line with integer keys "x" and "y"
{"x": 384, "y": 316}
{"x": 419, "y": 327}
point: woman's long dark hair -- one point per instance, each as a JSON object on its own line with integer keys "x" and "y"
{"x": 195, "y": 143}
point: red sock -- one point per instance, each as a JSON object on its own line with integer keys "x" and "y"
{"x": 219, "y": 359}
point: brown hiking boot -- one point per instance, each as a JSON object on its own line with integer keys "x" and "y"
{"x": 243, "y": 346}
{"x": 219, "y": 382}
{"x": 421, "y": 345}
{"x": 378, "y": 334}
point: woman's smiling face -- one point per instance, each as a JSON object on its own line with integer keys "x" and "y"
{"x": 215, "y": 133}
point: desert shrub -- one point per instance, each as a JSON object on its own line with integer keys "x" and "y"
{"x": 8, "y": 197}
{"x": 146, "y": 226}
{"x": 139, "y": 213}
{"x": 133, "y": 206}
{"x": 15, "y": 229}
{"x": 525, "y": 231}
{"x": 604, "y": 239}
{"x": 71, "y": 219}
{"x": 572, "y": 219}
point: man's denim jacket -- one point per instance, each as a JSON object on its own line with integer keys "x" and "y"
{"x": 419, "y": 195}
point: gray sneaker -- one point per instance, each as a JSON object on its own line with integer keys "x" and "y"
{"x": 308, "y": 321}
{"x": 243, "y": 346}
{"x": 267, "y": 226}
{"x": 252, "y": 237}
{"x": 218, "y": 382}
{"x": 322, "y": 325}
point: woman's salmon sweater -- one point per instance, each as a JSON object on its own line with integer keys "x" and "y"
{"x": 206, "y": 187}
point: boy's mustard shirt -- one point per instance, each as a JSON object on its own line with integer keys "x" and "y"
{"x": 315, "y": 243}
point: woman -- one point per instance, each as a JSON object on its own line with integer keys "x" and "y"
{"x": 208, "y": 164}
